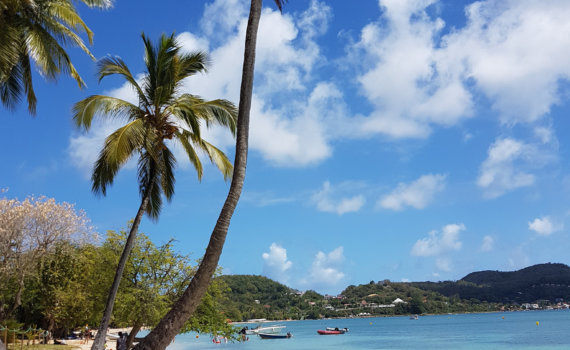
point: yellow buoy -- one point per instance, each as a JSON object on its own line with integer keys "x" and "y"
{"x": 537, "y": 323}
{"x": 370, "y": 322}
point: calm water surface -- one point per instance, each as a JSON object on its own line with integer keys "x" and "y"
{"x": 510, "y": 330}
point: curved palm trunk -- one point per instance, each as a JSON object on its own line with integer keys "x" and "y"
{"x": 163, "y": 334}
{"x": 99, "y": 342}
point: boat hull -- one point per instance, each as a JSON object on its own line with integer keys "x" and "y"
{"x": 274, "y": 336}
{"x": 329, "y": 332}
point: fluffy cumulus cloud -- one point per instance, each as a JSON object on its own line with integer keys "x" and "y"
{"x": 403, "y": 78}
{"x": 437, "y": 243}
{"x": 415, "y": 76}
{"x": 276, "y": 264}
{"x": 512, "y": 51}
{"x": 488, "y": 244}
{"x": 329, "y": 199}
{"x": 516, "y": 51}
{"x": 285, "y": 133}
{"x": 509, "y": 164}
{"x": 543, "y": 226}
{"x": 325, "y": 271}
{"x": 417, "y": 194}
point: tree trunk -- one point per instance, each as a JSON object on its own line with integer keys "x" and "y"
{"x": 136, "y": 328}
{"x": 17, "y": 297}
{"x": 99, "y": 342}
{"x": 163, "y": 334}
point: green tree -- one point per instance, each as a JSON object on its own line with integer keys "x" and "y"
{"x": 154, "y": 278}
{"x": 30, "y": 230}
{"x": 162, "y": 114}
{"x": 171, "y": 324}
{"x": 36, "y": 30}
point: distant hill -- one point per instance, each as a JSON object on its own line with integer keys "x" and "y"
{"x": 250, "y": 296}
{"x": 537, "y": 282}
{"x": 541, "y": 273}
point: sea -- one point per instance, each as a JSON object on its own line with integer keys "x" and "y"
{"x": 527, "y": 330}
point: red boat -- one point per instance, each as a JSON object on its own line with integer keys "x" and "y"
{"x": 331, "y": 331}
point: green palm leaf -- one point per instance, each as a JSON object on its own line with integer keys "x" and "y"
{"x": 85, "y": 110}
{"x": 118, "y": 149}
{"x": 37, "y": 30}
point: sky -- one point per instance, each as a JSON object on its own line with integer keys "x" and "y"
{"x": 409, "y": 140}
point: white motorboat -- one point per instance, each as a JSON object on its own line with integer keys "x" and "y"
{"x": 266, "y": 329}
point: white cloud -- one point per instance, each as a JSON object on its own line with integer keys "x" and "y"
{"x": 488, "y": 244}
{"x": 286, "y": 133}
{"x": 414, "y": 78}
{"x": 513, "y": 51}
{"x": 327, "y": 200}
{"x": 516, "y": 52}
{"x": 417, "y": 194}
{"x": 543, "y": 226}
{"x": 443, "y": 264}
{"x": 437, "y": 243}
{"x": 499, "y": 173}
{"x": 405, "y": 76}
{"x": 275, "y": 263}
{"x": 325, "y": 271}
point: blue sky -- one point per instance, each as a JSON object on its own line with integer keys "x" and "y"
{"x": 408, "y": 140}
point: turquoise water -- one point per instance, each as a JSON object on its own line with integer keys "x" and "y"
{"x": 518, "y": 330}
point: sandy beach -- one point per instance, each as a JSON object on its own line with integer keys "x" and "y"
{"x": 111, "y": 344}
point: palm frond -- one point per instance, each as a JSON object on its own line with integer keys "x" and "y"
{"x": 166, "y": 83}
{"x": 49, "y": 55}
{"x": 216, "y": 156}
{"x": 11, "y": 87}
{"x": 166, "y": 168}
{"x": 185, "y": 138}
{"x": 118, "y": 149}
{"x": 115, "y": 65}
{"x": 280, "y": 4}
{"x": 149, "y": 180}
{"x": 189, "y": 64}
{"x": 28, "y": 85}
{"x": 85, "y": 110}
{"x": 221, "y": 112}
{"x": 65, "y": 13}
{"x": 98, "y": 3}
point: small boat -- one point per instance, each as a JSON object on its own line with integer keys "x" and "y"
{"x": 275, "y": 336}
{"x": 332, "y": 331}
{"x": 264, "y": 329}
{"x": 414, "y": 317}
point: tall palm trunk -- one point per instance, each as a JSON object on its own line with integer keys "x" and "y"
{"x": 99, "y": 342}
{"x": 163, "y": 334}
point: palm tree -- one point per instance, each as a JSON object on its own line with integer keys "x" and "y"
{"x": 162, "y": 114}
{"x": 36, "y": 30}
{"x": 163, "y": 334}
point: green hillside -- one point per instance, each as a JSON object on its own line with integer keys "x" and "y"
{"x": 534, "y": 283}
{"x": 250, "y": 297}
